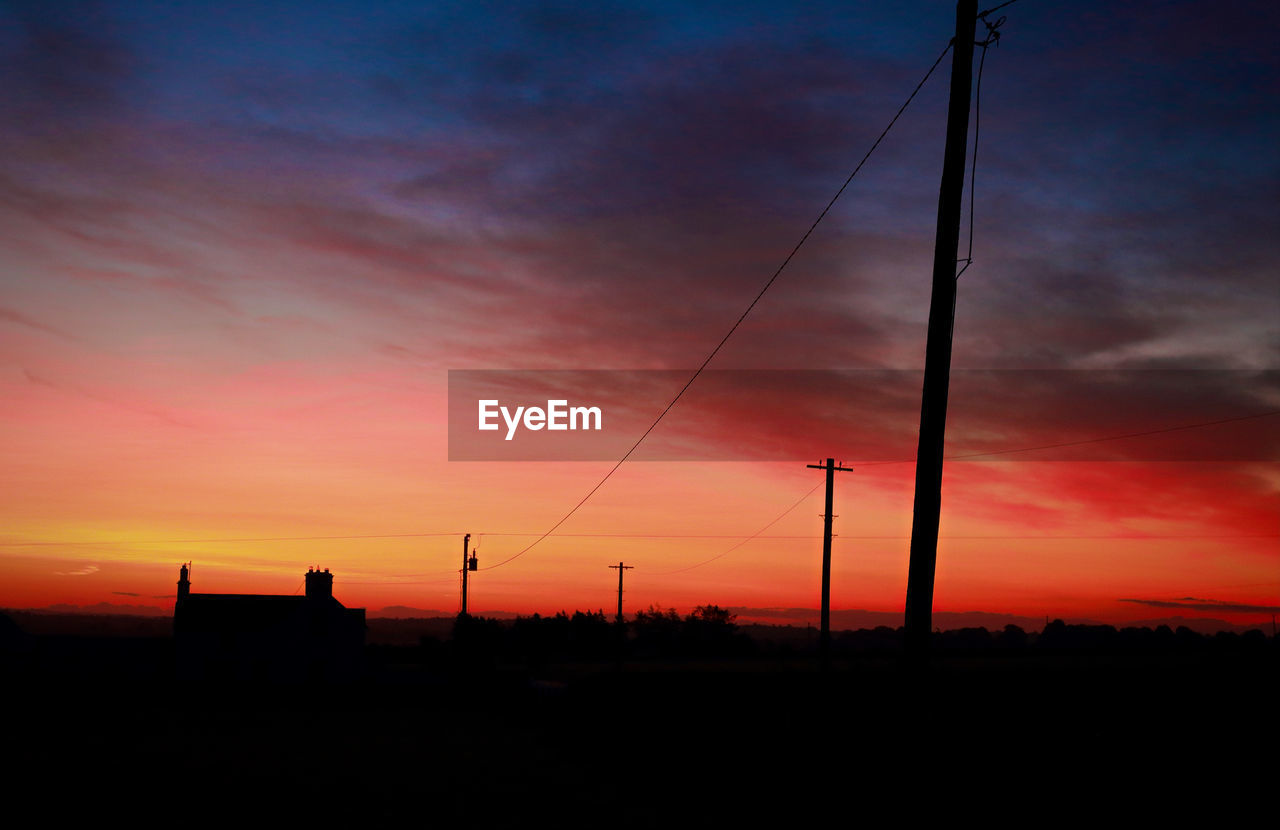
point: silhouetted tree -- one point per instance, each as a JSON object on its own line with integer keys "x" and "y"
{"x": 1012, "y": 637}
{"x": 967, "y": 638}
{"x": 1059, "y": 635}
{"x": 710, "y": 630}
{"x": 655, "y": 616}
{"x": 656, "y": 630}
{"x": 1186, "y": 638}
{"x": 590, "y": 633}
{"x": 712, "y": 615}
{"x": 1254, "y": 639}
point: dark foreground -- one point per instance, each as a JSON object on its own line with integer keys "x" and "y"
{"x": 102, "y": 729}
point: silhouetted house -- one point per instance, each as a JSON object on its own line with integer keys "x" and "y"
{"x": 263, "y": 637}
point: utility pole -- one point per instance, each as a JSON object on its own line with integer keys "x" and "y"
{"x": 937, "y": 360}
{"x": 824, "y": 637}
{"x": 465, "y": 562}
{"x": 620, "y": 568}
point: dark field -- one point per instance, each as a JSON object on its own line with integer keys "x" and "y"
{"x": 98, "y": 726}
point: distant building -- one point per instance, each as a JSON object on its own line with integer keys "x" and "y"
{"x": 264, "y": 637}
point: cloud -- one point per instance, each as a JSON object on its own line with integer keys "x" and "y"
{"x": 67, "y": 72}
{"x": 566, "y": 169}
{"x": 11, "y": 316}
{"x": 1208, "y": 605}
{"x": 85, "y": 571}
{"x": 146, "y": 408}
{"x": 588, "y": 190}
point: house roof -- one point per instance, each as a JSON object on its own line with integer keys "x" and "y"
{"x": 253, "y": 611}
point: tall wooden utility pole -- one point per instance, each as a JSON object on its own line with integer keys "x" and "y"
{"x": 937, "y": 359}
{"x": 824, "y": 637}
{"x": 621, "y": 568}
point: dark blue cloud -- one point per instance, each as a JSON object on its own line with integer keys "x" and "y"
{"x": 626, "y": 151}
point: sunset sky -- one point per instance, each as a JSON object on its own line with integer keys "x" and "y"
{"x": 243, "y": 244}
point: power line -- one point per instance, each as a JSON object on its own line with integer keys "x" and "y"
{"x": 1085, "y": 441}
{"x": 738, "y": 322}
{"x": 993, "y": 37}
{"x": 229, "y": 541}
{"x": 1009, "y": 452}
{"x": 1105, "y": 438}
{"x": 1134, "y": 537}
{"x": 1119, "y": 437}
{"x": 799, "y": 501}
{"x": 773, "y": 537}
{"x": 450, "y": 580}
{"x": 807, "y": 536}
{"x": 982, "y": 15}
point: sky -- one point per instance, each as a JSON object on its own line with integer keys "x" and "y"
{"x": 243, "y": 245}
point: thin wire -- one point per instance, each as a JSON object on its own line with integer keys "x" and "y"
{"x": 1119, "y": 437}
{"x": 748, "y": 539}
{"x": 648, "y": 535}
{"x": 738, "y": 322}
{"x": 1085, "y": 441}
{"x": 448, "y": 580}
{"x": 973, "y": 166}
{"x": 229, "y": 541}
{"x": 1136, "y": 537}
{"x": 804, "y": 536}
{"x": 1007, "y": 452}
{"x": 759, "y": 534}
{"x": 994, "y": 9}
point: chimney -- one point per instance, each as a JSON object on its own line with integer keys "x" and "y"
{"x": 319, "y": 584}
{"x": 184, "y": 582}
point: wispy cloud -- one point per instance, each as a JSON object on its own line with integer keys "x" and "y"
{"x": 9, "y": 315}
{"x": 85, "y": 571}
{"x": 1196, "y": 604}
{"x": 151, "y": 410}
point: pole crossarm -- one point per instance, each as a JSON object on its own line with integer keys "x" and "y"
{"x": 836, "y": 468}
